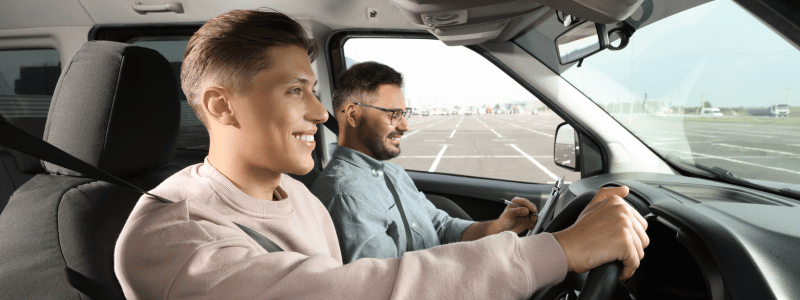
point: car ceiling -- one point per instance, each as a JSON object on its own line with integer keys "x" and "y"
{"x": 334, "y": 14}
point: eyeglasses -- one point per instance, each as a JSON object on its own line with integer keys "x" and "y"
{"x": 396, "y": 113}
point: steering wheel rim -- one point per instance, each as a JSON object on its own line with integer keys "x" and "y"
{"x": 601, "y": 282}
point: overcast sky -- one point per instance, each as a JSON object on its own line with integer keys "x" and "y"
{"x": 716, "y": 49}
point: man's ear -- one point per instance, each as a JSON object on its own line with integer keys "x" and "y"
{"x": 217, "y": 106}
{"x": 351, "y": 115}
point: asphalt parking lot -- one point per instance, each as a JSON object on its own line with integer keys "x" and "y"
{"x": 753, "y": 151}
{"x": 508, "y": 147}
{"x": 520, "y": 147}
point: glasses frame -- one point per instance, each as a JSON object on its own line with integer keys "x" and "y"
{"x": 396, "y": 113}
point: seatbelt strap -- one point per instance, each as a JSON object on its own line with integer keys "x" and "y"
{"x": 332, "y": 124}
{"x": 409, "y": 245}
{"x": 16, "y": 139}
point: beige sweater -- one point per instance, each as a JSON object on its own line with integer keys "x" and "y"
{"x": 192, "y": 249}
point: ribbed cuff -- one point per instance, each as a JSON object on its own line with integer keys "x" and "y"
{"x": 545, "y": 258}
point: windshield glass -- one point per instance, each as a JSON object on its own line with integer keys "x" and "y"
{"x": 711, "y": 86}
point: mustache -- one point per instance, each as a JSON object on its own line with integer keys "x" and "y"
{"x": 395, "y": 134}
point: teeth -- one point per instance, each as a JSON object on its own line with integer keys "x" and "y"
{"x": 304, "y": 137}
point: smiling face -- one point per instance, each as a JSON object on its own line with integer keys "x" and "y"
{"x": 279, "y": 114}
{"x": 375, "y": 132}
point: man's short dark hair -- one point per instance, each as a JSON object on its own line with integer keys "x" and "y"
{"x": 361, "y": 81}
{"x": 232, "y": 48}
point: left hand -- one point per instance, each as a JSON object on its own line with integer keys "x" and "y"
{"x": 517, "y": 219}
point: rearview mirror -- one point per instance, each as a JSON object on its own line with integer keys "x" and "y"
{"x": 565, "y": 152}
{"x": 581, "y": 41}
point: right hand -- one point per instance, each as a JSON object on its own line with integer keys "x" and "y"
{"x": 607, "y": 230}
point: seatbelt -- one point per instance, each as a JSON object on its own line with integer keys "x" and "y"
{"x": 333, "y": 126}
{"x": 409, "y": 246}
{"x": 19, "y": 140}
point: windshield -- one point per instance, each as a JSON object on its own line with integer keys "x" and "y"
{"x": 709, "y": 86}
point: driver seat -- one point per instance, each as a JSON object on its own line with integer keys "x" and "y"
{"x": 115, "y": 107}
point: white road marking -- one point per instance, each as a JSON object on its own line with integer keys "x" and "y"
{"x": 504, "y": 140}
{"x": 531, "y": 130}
{"x": 407, "y": 135}
{"x": 495, "y": 132}
{"x": 484, "y": 124}
{"x": 437, "y": 122}
{"x": 542, "y": 133}
{"x": 703, "y": 135}
{"x": 731, "y": 160}
{"x": 545, "y": 170}
{"x": 736, "y": 133}
{"x": 796, "y": 145}
{"x": 459, "y": 121}
{"x": 438, "y": 158}
{"x": 454, "y": 132}
{"x": 759, "y": 149}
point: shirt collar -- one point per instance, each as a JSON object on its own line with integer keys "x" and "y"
{"x": 357, "y": 158}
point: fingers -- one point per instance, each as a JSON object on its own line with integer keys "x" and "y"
{"x": 522, "y": 202}
{"x": 640, "y": 226}
{"x": 605, "y": 193}
{"x": 630, "y": 260}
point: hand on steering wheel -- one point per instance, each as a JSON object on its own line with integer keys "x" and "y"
{"x": 608, "y": 229}
{"x": 596, "y": 233}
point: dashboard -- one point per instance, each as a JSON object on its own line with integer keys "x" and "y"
{"x": 709, "y": 240}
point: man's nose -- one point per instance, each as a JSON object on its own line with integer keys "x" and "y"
{"x": 317, "y": 112}
{"x": 402, "y": 125}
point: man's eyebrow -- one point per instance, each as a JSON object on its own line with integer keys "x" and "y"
{"x": 301, "y": 80}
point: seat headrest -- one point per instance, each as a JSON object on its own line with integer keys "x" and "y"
{"x": 115, "y": 107}
{"x": 35, "y": 126}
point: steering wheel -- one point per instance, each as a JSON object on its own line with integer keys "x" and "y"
{"x": 601, "y": 282}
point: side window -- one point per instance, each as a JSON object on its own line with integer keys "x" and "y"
{"x": 192, "y": 135}
{"x": 470, "y": 118}
{"x": 27, "y": 81}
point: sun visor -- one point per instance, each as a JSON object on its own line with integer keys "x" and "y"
{"x": 605, "y": 12}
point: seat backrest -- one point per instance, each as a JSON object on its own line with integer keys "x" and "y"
{"x": 115, "y": 107}
{"x": 17, "y": 168}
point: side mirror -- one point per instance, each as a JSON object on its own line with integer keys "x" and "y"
{"x": 581, "y": 41}
{"x": 565, "y": 150}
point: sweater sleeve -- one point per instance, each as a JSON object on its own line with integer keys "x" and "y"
{"x": 200, "y": 259}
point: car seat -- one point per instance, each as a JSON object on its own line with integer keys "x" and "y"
{"x": 115, "y": 107}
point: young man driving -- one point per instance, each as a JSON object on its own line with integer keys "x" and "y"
{"x": 376, "y": 208}
{"x": 248, "y": 76}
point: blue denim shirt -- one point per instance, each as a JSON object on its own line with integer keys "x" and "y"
{"x": 364, "y": 212}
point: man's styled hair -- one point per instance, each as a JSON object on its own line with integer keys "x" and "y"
{"x": 361, "y": 81}
{"x": 232, "y": 48}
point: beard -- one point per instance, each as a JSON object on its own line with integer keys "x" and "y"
{"x": 375, "y": 143}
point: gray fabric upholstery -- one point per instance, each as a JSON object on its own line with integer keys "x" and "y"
{"x": 448, "y": 206}
{"x": 100, "y": 113}
{"x": 115, "y": 100}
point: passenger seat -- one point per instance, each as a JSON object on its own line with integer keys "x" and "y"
{"x": 115, "y": 107}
